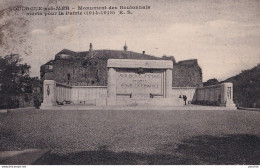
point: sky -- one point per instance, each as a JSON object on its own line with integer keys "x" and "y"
{"x": 223, "y": 35}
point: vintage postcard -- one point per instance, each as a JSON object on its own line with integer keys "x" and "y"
{"x": 115, "y": 82}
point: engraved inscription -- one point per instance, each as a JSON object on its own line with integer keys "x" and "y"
{"x": 134, "y": 83}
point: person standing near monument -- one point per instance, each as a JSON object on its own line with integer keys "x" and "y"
{"x": 184, "y": 98}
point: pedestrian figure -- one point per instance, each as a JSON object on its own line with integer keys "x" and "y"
{"x": 219, "y": 99}
{"x": 184, "y": 98}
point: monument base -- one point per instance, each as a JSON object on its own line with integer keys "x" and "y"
{"x": 47, "y": 105}
{"x": 229, "y": 104}
{"x": 145, "y": 102}
{"x": 121, "y": 102}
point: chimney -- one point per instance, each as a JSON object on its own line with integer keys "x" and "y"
{"x": 90, "y": 47}
{"x": 125, "y": 47}
{"x": 143, "y": 52}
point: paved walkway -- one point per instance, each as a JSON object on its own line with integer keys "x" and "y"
{"x": 187, "y": 107}
{"x": 250, "y": 109}
{"x": 3, "y": 111}
{"x": 15, "y": 109}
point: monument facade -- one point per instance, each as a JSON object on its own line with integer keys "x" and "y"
{"x": 131, "y": 80}
{"x": 124, "y": 78}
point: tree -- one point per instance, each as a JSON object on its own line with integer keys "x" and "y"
{"x": 14, "y": 79}
{"x": 14, "y": 76}
{"x": 209, "y": 82}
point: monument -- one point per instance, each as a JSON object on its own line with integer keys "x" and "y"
{"x": 131, "y": 80}
{"x": 124, "y": 78}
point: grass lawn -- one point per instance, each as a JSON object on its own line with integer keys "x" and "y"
{"x": 135, "y": 137}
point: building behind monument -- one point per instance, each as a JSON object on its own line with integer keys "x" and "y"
{"x": 89, "y": 68}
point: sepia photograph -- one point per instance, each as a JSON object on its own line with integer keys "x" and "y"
{"x": 136, "y": 82}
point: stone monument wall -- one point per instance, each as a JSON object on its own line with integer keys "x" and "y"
{"x": 55, "y": 93}
{"x": 217, "y": 95}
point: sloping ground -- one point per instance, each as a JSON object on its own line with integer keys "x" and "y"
{"x": 247, "y": 87}
{"x": 135, "y": 137}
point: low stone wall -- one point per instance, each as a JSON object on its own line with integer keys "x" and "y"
{"x": 63, "y": 92}
{"x": 55, "y": 93}
{"x": 80, "y": 94}
{"x": 209, "y": 95}
{"x": 88, "y": 94}
{"x": 217, "y": 95}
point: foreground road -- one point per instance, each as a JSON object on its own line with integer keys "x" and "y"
{"x": 135, "y": 137}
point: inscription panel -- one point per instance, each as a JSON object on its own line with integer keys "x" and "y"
{"x": 140, "y": 85}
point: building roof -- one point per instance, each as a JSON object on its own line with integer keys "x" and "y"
{"x": 191, "y": 62}
{"x": 110, "y": 54}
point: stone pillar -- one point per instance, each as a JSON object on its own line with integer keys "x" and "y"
{"x": 111, "y": 83}
{"x": 49, "y": 93}
{"x": 227, "y": 95}
{"x": 168, "y": 83}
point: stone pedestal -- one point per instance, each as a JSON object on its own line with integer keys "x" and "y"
{"x": 168, "y": 83}
{"x": 227, "y": 95}
{"x": 49, "y": 96}
{"x": 126, "y": 102}
{"x": 111, "y": 84}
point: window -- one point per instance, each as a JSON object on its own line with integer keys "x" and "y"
{"x": 49, "y": 66}
{"x": 68, "y": 76}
